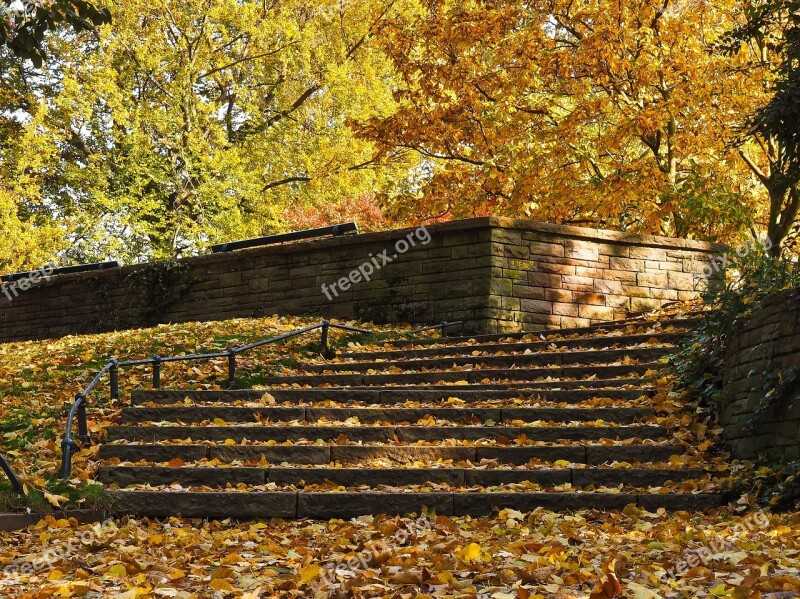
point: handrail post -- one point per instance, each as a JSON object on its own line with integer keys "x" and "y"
{"x": 324, "y": 344}
{"x": 156, "y": 372}
{"x": 114, "y": 374}
{"x": 15, "y": 484}
{"x": 443, "y": 329}
{"x": 83, "y": 425}
{"x": 67, "y": 447}
{"x": 231, "y": 368}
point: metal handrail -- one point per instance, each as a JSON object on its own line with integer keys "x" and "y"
{"x": 78, "y": 409}
{"x": 63, "y": 270}
{"x": 335, "y": 230}
{"x": 15, "y": 484}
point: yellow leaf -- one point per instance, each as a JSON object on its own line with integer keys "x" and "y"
{"x": 309, "y": 573}
{"x": 117, "y": 571}
{"x": 224, "y": 572}
{"x": 55, "y": 500}
{"x": 470, "y": 553}
{"x": 220, "y": 584}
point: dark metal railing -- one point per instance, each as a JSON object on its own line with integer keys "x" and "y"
{"x": 335, "y": 230}
{"x": 15, "y": 484}
{"x": 78, "y": 409}
{"x": 64, "y": 270}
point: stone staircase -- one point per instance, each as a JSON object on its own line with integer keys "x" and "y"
{"x": 581, "y": 418}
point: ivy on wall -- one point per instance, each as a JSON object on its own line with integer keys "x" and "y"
{"x": 163, "y": 285}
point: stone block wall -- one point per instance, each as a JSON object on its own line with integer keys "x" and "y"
{"x": 553, "y": 276}
{"x": 495, "y": 274}
{"x": 762, "y": 357}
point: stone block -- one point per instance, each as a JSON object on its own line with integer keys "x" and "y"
{"x": 618, "y": 301}
{"x": 608, "y": 287}
{"x": 642, "y": 304}
{"x": 596, "y": 312}
{"x": 499, "y": 286}
{"x": 664, "y": 294}
{"x": 507, "y": 236}
{"x": 528, "y": 292}
{"x": 558, "y": 295}
{"x": 594, "y": 299}
{"x": 581, "y": 251}
{"x": 565, "y": 309}
{"x": 619, "y": 251}
{"x": 546, "y": 249}
{"x": 623, "y": 276}
{"x": 514, "y": 275}
{"x": 681, "y": 281}
{"x": 648, "y": 253}
{"x": 626, "y": 264}
{"x": 230, "y": 279}
{"x": 541, "y": 279}
{"x": 585, "y": 281}
{"x": 554, "y": 268}
{"x": 634, "y": 291}
{"x": 592, "y": 272}
{"x": 536, "y": 306}
{"x": 568, "y": 322}
{"x": 460, "y": 238}
{"x": 659, "y": 280}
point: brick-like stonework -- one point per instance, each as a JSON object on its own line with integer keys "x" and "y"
{"x": 496, "y": 274}
{"x": 763, "y": 349}
{"x": 553, "y": 276}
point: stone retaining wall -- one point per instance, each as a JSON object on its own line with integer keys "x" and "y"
{"x": 496, "y": 274}
{"x": 763, "y": 357}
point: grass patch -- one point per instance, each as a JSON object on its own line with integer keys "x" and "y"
{"x": 84, "y": 496}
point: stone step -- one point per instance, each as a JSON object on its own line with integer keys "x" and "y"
{"x": 194, "y": 414}
{"x": 471, "y": 376}
{"x": 396, "y": 395}
{"x": 563, "y": 412}
{"x": 381, "y": 434}
{"x": 291, "y": 504}
{"x": 683, "y": 323}
{"x": 606, "y": 356}
{"x": 321, "y": 455}
{"x": 598, "y": 343}
{"x": 197, "y": 476}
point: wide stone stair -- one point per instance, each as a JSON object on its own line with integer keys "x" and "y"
{"x": 581, "y": 418}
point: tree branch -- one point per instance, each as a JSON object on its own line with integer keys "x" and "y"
{"x": 765, "y": 180}
{"x": 286, "y": 181}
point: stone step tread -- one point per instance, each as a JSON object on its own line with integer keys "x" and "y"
{"x": 133, "y": 415}
{"x": 600, "y": 330}
{"x": 393, "y": 395}
{"x": 253, "y": 394}
{"x": 367, "y": 434}
{"x": 590, "y": 453}
{"x": 473, "y": 375}
{"x": 299, "y": 504}
{"x": 602, "y": 342}
{"x": 454, "y": 476}
{"x": 483, "y": 362}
